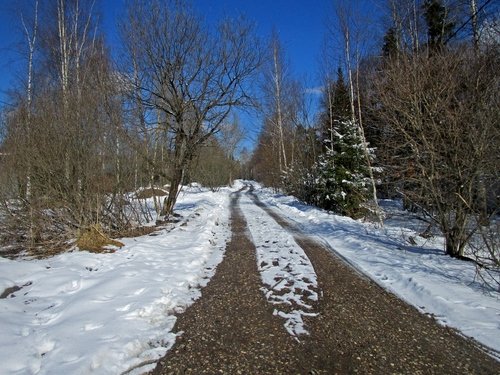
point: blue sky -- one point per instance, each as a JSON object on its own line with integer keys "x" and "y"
{"x": 300, "y": 24}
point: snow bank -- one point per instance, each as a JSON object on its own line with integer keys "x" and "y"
{"x": 421, "y": 274}
{"x": 80, "y": 313}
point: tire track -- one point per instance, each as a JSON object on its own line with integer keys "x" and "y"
{"x": 368, "y": 330}
{"x": 231, "y": 329}
{"x": 361, "y": 328}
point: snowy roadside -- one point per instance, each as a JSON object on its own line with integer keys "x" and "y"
{"x": 288, "y": 276}
{"x": 420, "y": 274}
{"x": 107, "y": 313}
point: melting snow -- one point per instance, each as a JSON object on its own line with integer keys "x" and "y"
{"x": 421, "y": 274}
{"x": 80, "y": 313}
{"x": 287, "y": 274}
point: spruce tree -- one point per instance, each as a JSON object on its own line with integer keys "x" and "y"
{"x": 342, "y": 173}
{"x": 438, "y": 26}
{"x": 342, "y": 182}
{"x": 336, "y": 106}
{"x": 390, "y": 47}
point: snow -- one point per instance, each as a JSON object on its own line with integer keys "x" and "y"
{"x": 421, "y": 274}
{"x": 285, "y": 269}
{"x": 80, "y": 313}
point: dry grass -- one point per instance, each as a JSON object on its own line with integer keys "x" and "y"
{"x": 94, "y": 240}
{"x": 136, "y": 231}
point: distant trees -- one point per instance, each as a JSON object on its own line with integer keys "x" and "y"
{"x": 215, "y": 164}
{"x": 439, "y": 27}
{"x": 280, "y": 104}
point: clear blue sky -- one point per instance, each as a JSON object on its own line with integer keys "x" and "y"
{"x": 300, "y": 24}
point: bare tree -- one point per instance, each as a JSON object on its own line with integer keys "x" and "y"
{"x": 443, "y": 118}
{"x": 474, "y": 23}
{"x": 191, "y": 74}
{"x": 62, "y": 141}
{"x": 230, "y": 137}
{"x": 281, "y": 106}
{"x": 277, "y": 78}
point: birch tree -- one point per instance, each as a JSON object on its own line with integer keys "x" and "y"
{"x": 278, "y": 77}
{"x": 352, "y": 47}
{"x": 280, "y": 108}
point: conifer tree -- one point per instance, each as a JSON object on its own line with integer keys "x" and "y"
{"x": 438, "y": 25}
{"x": 390, "y": 47}
{"x": 342, "y": 175}
{"x": 336, "y": 106}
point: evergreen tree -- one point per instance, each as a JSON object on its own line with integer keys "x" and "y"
{"x": 390, "y": 47}
{"x": 438, "y": 26}
{"x": 336, "y": 106}
{"x": 342, "y": 175}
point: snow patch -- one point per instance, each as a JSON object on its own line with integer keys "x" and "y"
{"x": 288, "y": 276}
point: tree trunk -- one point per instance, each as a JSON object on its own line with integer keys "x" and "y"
{"x": 173, "y": 192}
{"x": 182, "y": 157}
{"x": 277, "y": 83}
{"x": 378, "y": 212}
{"x": 475, "y": 29}
{"x": 454, "y": 243}
{"x": 452, "y": 247}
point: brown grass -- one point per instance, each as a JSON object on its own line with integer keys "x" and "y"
{"x": 94, "y": 240}
{"x": 136, "y": 231}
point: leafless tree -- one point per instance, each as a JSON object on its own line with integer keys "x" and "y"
{"x": 442, "y": 114}
{"x": 278, "y": 76}
{"x": 62, "y": 130}
{"x": 191, "y": 74}
{"x": 283, "y": 110}
{"x": 230, "y": 137}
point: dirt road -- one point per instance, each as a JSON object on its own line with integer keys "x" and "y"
{"x": 361, "y": 328}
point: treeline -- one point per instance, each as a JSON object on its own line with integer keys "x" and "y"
{"x": 416, "y": 117}
{"x": 413, "y": 117}
{"x": 83, "y": 132}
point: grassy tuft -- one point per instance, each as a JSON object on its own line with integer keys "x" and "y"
{"x": 94, "y": 240}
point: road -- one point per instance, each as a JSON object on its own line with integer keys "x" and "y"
{"x": 360, "y": 327}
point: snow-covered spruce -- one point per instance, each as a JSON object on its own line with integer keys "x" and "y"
{"x": 286, "y": 272}
{"x": 342, "y": 182}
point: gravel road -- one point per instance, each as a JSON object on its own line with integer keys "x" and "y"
{"x": 361, "y": 328}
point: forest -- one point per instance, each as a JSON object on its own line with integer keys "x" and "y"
{"x": 415, "y": 117}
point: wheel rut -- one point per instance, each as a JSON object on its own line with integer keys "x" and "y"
{"x": 231, "y": 329}
{"x": 361, "y": 328}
